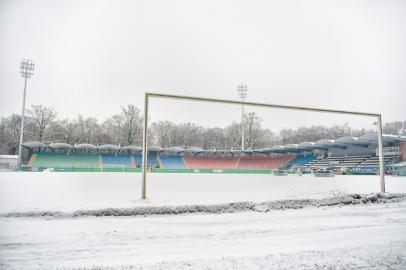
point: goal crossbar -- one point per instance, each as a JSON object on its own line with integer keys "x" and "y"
{"x": 255, "y": 104}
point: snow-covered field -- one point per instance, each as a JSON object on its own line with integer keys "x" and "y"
{"x": 76, "y": 191}
{"x": 362, "y": 236}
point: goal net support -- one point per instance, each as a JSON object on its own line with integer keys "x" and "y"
{"x": 147, "y": 96}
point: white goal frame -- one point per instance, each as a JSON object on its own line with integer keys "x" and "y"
{"x": 255, "y": 104}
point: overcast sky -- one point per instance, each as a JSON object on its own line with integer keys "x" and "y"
{"x": 94, "y": 56}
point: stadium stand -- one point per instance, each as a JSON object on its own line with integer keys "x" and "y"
{"x": 152, "y": 159}
{"x": 138, "y": 160}
{"x": 374, "y": 161}
{"x": 346, "y": 154}
{"x": 258, "y": 162}
{"x": 204, "y": 162}
{"x": 32, "y": 160}
{"x": 63, "y": 160}
{"x": 371, "y": 165}
{"x": 337, "y": 162}
{"x": 113, "y": 161}
{"x": 172, "y": 162}
{"x": 301, "y": 160}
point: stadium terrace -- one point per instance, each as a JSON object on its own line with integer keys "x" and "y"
{"x": 345, "y": 155}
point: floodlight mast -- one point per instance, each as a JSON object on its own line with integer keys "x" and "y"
{"x": 242, "y": 90}
{"x": 26, "y": 71}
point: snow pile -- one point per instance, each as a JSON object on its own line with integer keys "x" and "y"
{"x": 332, "y": 201}
{"x": 223, "y": 208}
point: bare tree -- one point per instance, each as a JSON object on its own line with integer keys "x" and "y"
{"x": 132, "y": 124}
{"x": 186, "y": 134}
{"x": 125, "y": 128}
{"x": 213, "y": 138}
{"x": 396, "y": 128}
{"x": 40, "y": 117}
{"x": 161, "y": 132}
{"x": 113, "y": 129}
{"x": 10, "y": 134}
{"x": 85, "y": 130}
{"x": 56, "y": 132}
{"x": 255, "y": 135}
{"x": 233, "y": 136}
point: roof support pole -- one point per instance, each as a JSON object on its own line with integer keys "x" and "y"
{"x": 380, "y": 147}
{"x": 144, "y": 149}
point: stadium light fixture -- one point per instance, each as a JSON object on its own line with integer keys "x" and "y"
{"x": 26, "y": 71}
{"x": 242, "y": 91}
{"x": 255, "y": 104}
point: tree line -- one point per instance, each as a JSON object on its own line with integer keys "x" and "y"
{"x": 125, "y": 128}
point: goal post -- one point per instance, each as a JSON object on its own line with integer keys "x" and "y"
{"x": 148, "y": 95}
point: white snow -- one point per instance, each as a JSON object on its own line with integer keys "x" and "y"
{"x": 78, "y": 191}
{"x": 363, "y": 236}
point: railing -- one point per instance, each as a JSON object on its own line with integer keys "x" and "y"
{"x": 394, "y": 150}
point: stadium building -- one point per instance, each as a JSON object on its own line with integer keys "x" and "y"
{"x": 346, "y": 155}
{"x": 8, "y": 162}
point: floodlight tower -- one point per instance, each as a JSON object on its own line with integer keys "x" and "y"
{"x": 26, "y": 71}
{"x": 242, "y": 90}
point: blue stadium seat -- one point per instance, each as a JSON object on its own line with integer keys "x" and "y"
{"x": 172, "y": 162}
{"x": 302, "y": 160}
{"x": 152, "y": 159}
{"x": 116, "y": 160}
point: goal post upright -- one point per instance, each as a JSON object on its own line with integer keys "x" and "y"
{"x": 255, "y": 104}
{"x": 144, "y": 148}
{"x": 380, "y": 149}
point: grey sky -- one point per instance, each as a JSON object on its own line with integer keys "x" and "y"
{"x": 93, "y": 56}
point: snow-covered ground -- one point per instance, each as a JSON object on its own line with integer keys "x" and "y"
{"x": 76, "y": 191}
{"x": 361, "y": 236}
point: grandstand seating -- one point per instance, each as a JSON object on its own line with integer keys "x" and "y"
{"x": 113, "y": 161}
{"x": 203, "y": 162}
{"x": 138, "y": 160}
{"x": 301, "y": 160}
{"x": 337, "y": 162}
{"x": 357, "y": 164}
{"x": 350, "y": 162}
{"x": 374, "y": 161}
{"x": 172, "y": 162}
{"x": 75, "y": 160}
{"x": 63, "y": 160}
{"x": 371, "y": 165}
{"x": 151, "y": 159}
{"x": 32, "y": 160}
{"x": 263, "y": 162}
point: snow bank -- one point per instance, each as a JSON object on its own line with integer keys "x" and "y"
{"x": 223, "y": 208}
